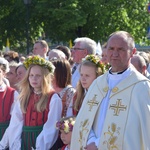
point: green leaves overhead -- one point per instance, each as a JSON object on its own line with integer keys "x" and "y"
{"x": 64, "y": 20}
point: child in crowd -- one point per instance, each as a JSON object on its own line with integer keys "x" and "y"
{"x": 65, "y": 125}
{"x": 34, "y": 116}
{"x": 90, "y": 68}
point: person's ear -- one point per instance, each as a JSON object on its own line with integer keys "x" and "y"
{"x": 134, "y": 51}
{"x": 85, "y": 52}
{"x": 144, "y": 68}
{"x": 45, "y": 50}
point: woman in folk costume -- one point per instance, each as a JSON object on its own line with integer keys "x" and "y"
{"x": 90, "y": 68}
{"x": 7, "y": 97}
{"x": 62, "y": 84}
{"x": 34, "y": 116}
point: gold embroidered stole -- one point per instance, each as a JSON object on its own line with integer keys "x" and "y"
{"x": 115, "y": 121}
{"x": 86, "y": 115}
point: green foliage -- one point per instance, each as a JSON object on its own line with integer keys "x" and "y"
{"x": 64, "y": 20}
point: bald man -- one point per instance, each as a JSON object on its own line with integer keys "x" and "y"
{"x": 139, "y": 63}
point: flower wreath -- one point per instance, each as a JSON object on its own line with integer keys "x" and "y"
{"x": 96, "y": 60}
{"x": 37, "y": 60}
{"x": 66, "y": 124}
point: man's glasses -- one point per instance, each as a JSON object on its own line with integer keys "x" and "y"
{"x": 80, "y": 49}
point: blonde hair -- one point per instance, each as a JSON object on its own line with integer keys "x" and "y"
{"x": 80, "y": 92}
{"x": 26, "y": 90}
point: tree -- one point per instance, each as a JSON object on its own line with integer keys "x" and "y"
{"x": 95, "y": 18}
{"x": 63, "y": 20}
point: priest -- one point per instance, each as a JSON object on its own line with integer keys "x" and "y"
{"x": 115, "y": 114}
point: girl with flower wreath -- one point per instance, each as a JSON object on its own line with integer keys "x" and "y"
{"x": 90, "y": 68}
{"x": 32, "y": 124}
{"x": 65, "y": 126}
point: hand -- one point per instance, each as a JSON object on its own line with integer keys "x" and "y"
{"x": 91, "y": 146}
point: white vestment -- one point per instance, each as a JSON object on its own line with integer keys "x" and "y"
{"x": 126, "y": 125}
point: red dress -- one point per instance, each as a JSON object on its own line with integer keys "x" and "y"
{"x": 33, "y": 122}
{"x": 6, "y": 100}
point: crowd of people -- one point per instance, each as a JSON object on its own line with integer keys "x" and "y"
{"x": 76, "y": 99}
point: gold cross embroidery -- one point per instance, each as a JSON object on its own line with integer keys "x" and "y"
{"x": 118, "y": 107}
{"x": 92, "y": 102}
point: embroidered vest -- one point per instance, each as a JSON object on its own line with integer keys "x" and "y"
{"x": 6, "y": 100}
{"x": 33, "y": 123}
{"x": 32, "y": 117}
